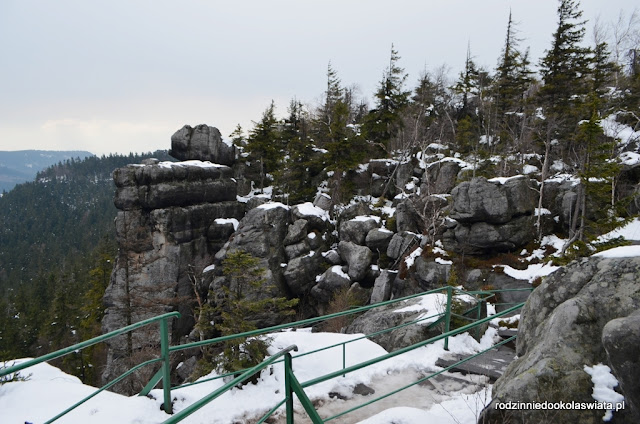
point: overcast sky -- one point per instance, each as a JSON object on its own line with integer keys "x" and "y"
{"x": 124, "y": 75}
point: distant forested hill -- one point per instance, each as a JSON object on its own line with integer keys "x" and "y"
{"x": 59, "y": 217}
{"x": 56, "y": 241}
{"x": 21, "y": 166}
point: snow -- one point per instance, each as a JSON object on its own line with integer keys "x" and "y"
{"x": 484, "y": 139}
{"x": 431, "y": 305}
{"x": 559, "y": 178}
{"x": 532, "y": 272}
{"x": 502, "y": 180}
{"x": 311, "y": 236}
{"x": 542, "y": 211}
{"x": 614, "y": 129}
{"x": 363, "y": 218}
{"x": 603, "y": 384}
{"x": 443, "y": 261}
{"x": 49, "y": 390}
{"x": 363, "y": 167}
{"x": 412, "y": 257}
{"x": 630, "y": 231}
{"x": 337, "y": 269}
{"x": 529, "y": 169}
{"x": 272, "y": 205}
{"x": 629, "y": 158}
{"x": 223, "y": 221}
{"x": 208, "y": 269}
{"x": 308, "y": 209}
{"x": 620, "y": 252}
{"x": 197, "y": 163}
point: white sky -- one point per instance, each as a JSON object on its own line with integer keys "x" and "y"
{"x": 123, "y": 76}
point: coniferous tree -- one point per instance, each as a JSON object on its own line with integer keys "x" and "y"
{"x": 513, "y": 76}
{"x": 565, "y": 71}
{"x": 237, "y": 137}
{"x": 264, "y": 143}
{"x": 237, "y": 309}
{"x": 294, "y": 177}
{"x": 384, "y": 122}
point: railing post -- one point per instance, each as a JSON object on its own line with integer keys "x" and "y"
{"x": 344, "y": 356}
{"x": 166, "y": 366}
{"x": 447, "y": 317}
{"x": 287, "y": 387}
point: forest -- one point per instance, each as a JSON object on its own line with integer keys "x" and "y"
{"x": 57, "y": 243}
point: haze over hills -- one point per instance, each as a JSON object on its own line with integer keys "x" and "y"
{"x": 22, "y": 165}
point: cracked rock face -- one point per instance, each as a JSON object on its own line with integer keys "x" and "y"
{"x": 201, "y": 143}
{"x": 489, "y": 216}
{"x": 574, "y": 319}
{"x": 165, "y": 228}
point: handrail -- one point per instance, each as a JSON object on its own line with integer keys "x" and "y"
{"x": 299, "y": 323}
{"x": 292, "y": 385}
{"x": 408, "y": 348}
{"x": 164, "y": 358}
{"x": 291, "y": 382}
{"x": 86, "y": 343}
{"x": 179, "y": 416}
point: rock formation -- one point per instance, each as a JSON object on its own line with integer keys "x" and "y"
{"x": 582, "y": 315}
{"x": 488, "y": 216}
{"x": 172, "y": 219}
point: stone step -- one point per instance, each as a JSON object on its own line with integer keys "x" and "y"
{"x": 491, "y": 364}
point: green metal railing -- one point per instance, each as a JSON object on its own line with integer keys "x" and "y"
{"x": 164, "y": 358}
{"x": 292, "y": 385}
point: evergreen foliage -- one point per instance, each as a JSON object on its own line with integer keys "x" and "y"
{"x": 236, "y": 310}
{"x": 384, "y": 122}
{"x": 264, "y": 143}
{"x": 56, "y": 251}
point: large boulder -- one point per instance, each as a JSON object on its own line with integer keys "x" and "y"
{"x": 400, "y": 243}
{"x": 482, "y": 237}
{"x": 332, "y": 281}
{"x": 172, "y": 220}
{"x": 382, "y": 286}
{"x": 491, "y": 215}
{"x": 495, "y": 202}
{"x": 300, "y": 273}
{"x": 357, "y": 257}
{"x": 573, "y": 320}
{"x": 355, "y": 230}
{"x": 440, "y": 177}
{"x": 378, "y": 239}
{"x": 621, "y": 338}
{"x": 201, "y": 143}
{"x": 170, "y": 184}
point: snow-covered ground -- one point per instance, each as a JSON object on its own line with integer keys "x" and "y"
{"x": 49, "y": 390}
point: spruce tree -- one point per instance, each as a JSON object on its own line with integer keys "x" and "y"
{"x": 565, "y": 70}
{"x": 513, "y": 76}
{"x": 294, "y": 177}
{"x": 383, "y": 123}
{"x": 238, "y": 309}
{"x": 264, "y": 143}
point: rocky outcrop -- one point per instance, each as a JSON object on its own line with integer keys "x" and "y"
{"x": 173, "y": 218}
{"x": 489, "y": 216}
{"x": 201, "y": 143}
{"x": 261, "y": 234}
{"x": 582, "y": 315}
